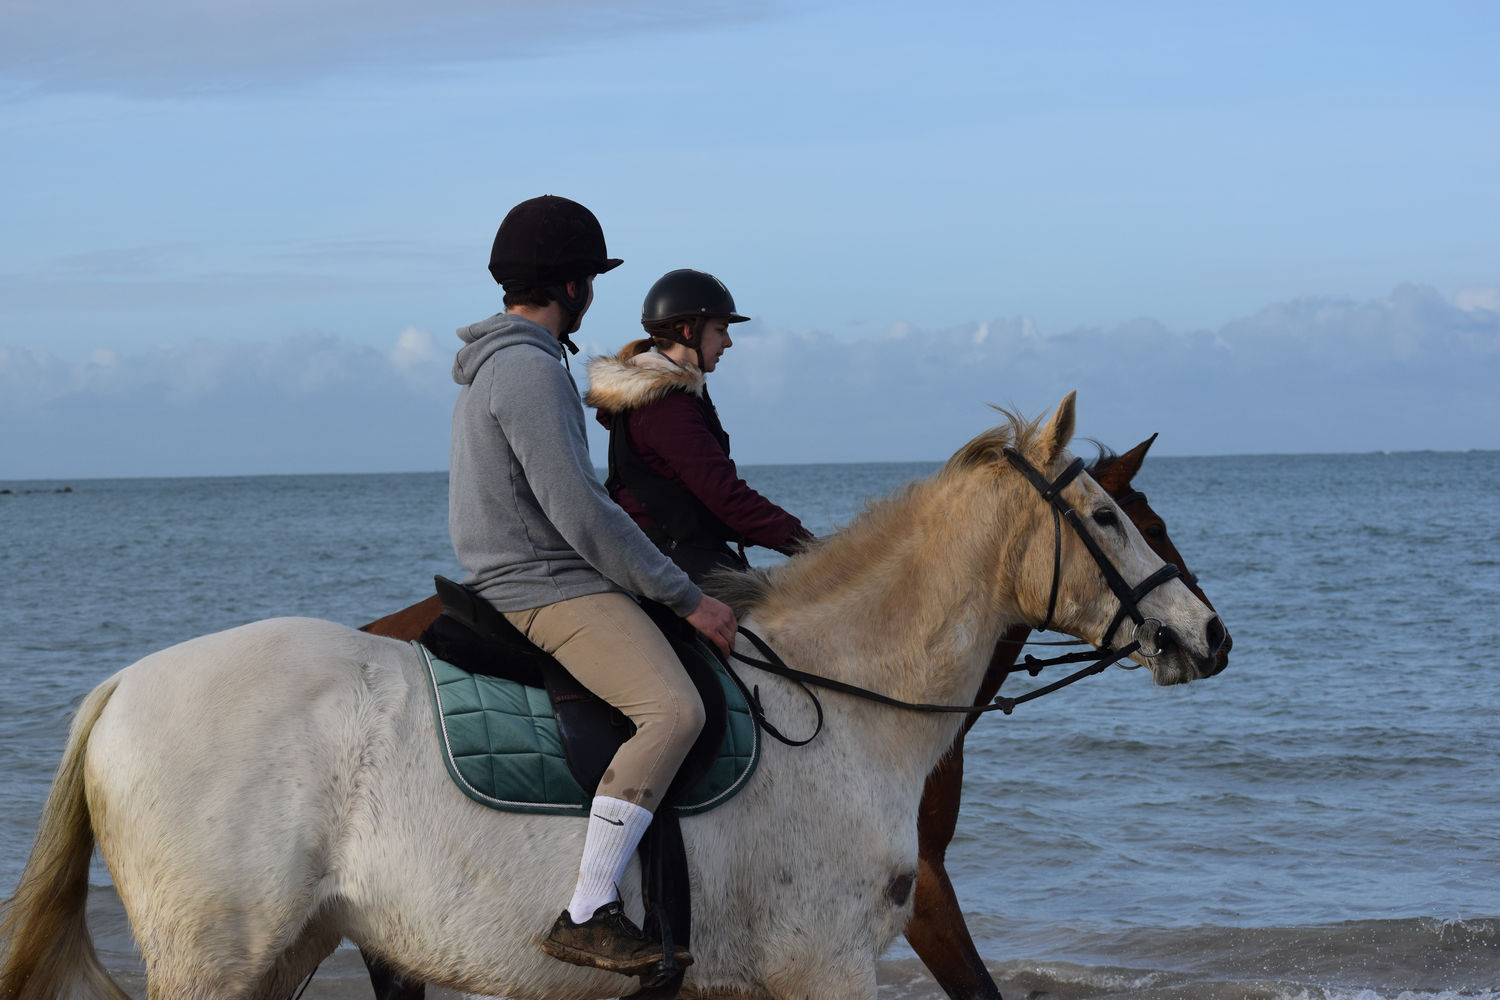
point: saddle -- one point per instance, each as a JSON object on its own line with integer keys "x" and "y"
{"x": 472, "y": 636}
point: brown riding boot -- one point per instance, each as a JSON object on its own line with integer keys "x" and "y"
{"x": 608, "y": 940}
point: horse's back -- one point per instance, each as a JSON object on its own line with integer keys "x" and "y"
{"x": 251, "y": 655}
{"x": 242, "y": 694}
{"x": 225, "y": 709}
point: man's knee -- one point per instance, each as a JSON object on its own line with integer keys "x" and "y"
{"x": 678, "y": 721}
{"x": 693, "y": 716}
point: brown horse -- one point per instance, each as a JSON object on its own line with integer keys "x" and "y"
{"x": 937, "y": 931}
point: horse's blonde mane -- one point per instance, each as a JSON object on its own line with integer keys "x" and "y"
{"x": 853, "y": 551}
{"x": 987, "y": 447}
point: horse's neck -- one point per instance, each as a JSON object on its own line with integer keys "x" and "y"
{"x": 917, "y": 599}
{"x": 915, "y": 616}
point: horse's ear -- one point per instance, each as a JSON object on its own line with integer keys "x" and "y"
{"x": 1059, "y": 430}
{"x": 1127, "y": 465}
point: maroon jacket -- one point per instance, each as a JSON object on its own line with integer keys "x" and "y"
{"x": 673, "y": 431}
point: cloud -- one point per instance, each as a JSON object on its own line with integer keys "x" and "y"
{"x": 311, "y": 403}
{"x": 163, "y": 47}
{"x": 1408, "y": 371}
{"x": 415, "y": 351}
{"x": 307, "y": 364}
{"x": 1473, "y": 299}
{"x": 205, "y": 276}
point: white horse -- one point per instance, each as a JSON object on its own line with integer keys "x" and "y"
{"x": 263, "y": 793}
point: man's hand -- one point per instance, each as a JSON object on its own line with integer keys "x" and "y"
{"x": 715, "y": 622}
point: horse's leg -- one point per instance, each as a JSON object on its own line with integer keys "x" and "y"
{"x": 291, "y": 970}
{"x": 815, "y": 979}
{"x": 937, "y": 932}
{"x": 191, "y": 974}
{"x": 210, "y": 951}
{"x": 388, "y": 983}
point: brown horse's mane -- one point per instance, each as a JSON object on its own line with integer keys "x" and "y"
{"x": 1107, "y": 456}
{"x": 865, "y": 541}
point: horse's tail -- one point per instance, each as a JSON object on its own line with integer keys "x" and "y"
{"x": 45, "y": 947}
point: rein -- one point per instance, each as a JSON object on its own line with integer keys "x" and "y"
{"x": 774, "y": 664}
{"x": 1145, "y": 639}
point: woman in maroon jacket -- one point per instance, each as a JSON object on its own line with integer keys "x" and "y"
{"x": 669, "y": 463}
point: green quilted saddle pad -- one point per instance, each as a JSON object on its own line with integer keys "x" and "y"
{"x": 501, "y": 746}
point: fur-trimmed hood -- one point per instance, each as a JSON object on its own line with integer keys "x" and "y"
{"x": 628, "y": 382}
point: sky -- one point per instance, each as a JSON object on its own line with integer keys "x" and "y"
{"x": 236, "y": 238}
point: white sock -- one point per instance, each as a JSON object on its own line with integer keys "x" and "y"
{"x": 615, "y": 828}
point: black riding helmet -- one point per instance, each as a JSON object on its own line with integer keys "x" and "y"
{"x": 687, "y": 294}
{"x": 548, "y": 241}
{"x": 544, "y": 243}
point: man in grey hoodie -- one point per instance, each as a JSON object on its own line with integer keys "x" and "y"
{"x": 541, "y": 540}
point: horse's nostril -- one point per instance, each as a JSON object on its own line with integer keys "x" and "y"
{"x": 1217, "y": 636}
{"x": 1219, "y": 643}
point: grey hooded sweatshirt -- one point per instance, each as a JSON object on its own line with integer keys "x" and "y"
{"x": 530, "y": 521}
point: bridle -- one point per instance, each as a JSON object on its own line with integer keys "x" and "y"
{"x": 1147, "y": 630}
{"x": 1146, "y": 638}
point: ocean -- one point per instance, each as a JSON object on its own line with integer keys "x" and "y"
{"x": 1320, "y": 821}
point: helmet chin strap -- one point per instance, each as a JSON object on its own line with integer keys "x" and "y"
{"x": 692, "y": 338}
{"x": 572, "y": 307}
{"x": 696, "y": 343}
{"x": 565, "y": 336}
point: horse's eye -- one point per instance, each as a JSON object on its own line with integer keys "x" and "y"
{"x": 1105, "y": 517}
{"x": 1156, "y": 531}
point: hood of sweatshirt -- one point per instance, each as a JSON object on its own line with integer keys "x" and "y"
{"x": 502, "y": 330}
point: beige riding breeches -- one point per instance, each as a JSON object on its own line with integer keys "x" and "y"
{"x": 612, "y": 648}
